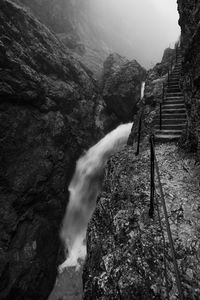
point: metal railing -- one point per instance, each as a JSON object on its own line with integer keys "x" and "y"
{"x": 155, "y": 169}
{"x": 169, "y": 72}
{"x": 139, "y": 132}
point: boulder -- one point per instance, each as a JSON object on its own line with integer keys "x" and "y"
{"x": 121, "y": 85}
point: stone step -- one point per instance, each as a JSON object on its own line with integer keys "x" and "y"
{"x": 174, "y": 94}
{"x": 169, "y": 132}
{"x": 171, "y": 89}
{"x": 173, "y": 106}
{"x": 174, "y": 116}
{"x": 175, "y": 74}
{"x": 173, "y": 82}
{"x": 176, "y": 71}
{"x": 180, "y": 96}
{"x": 166, "y": 138}
{"x": 170, "y": 121}
{"x": 173, "y": 98}
{"x": 173, "y": 111}
{"x": 171, "y": 126}
{"x": 173, "y": 102}
{"x": 174, "y": 77}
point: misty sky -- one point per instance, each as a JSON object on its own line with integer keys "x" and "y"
{"x": 139, "y": 29}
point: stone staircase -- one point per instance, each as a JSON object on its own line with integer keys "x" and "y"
{"x": 173, "y": 109}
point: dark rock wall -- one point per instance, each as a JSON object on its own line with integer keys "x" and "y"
{"x": 48, "y": 105}
{"x": 58, "y": 15}
{"x": 121, "y": 84}
{"x": 190, "y": 41}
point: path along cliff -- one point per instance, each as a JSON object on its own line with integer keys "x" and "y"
{"x": 125, "y": 247}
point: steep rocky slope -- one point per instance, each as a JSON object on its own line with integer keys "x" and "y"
{"x": 129, "y": 255}
{"x": 121, "y": 85}
{"x": 71, "y": 21}
{"x": 189, "y": 21}
{"x": 48, "y": 104}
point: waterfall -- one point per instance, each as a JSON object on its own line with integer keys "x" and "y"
{"x": 142, "y": 90}
{"x": 84, "y": 188}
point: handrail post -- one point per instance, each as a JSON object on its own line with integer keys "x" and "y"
{"x": 168, "y": 75}
{"x": 176, "y": 268}
{"x": 160, "y": 115}
{"x": 139, "y": 134}
{"x": 152, "y": 159}
{"x": 163, "y": 96}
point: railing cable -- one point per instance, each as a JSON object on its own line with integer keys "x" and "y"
{"x": 139, "y": 132}
{"x": 151, "y": 209}
{"x": 177, "y": 274}
{"x": 164, "y": 247}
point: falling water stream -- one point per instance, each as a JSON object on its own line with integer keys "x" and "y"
{"x": 84, "y": 189}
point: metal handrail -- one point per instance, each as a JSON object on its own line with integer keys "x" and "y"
{"x": 163, "y": 97}
{"x": 139, "y": 132}
{"x": 169, "y": 71}
{"x": 152, "y": 159}
{"x": 176, "y": 269}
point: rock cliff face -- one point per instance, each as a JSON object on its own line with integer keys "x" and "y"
{"x": 71, "y": 21}
{"x": 122, "y": 81}
{"x": 189, "y": 21}
{"x": 48, "y": 103}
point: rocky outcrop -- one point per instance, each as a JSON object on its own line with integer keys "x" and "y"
{"x": 48, "y": 104}
{"x": 121, "y": 84}
{"x": 190, "y": 31}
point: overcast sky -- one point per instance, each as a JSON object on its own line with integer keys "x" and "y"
{"x": 139, "y": 29}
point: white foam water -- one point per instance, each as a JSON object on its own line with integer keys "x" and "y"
{"x": 84, "y": 188}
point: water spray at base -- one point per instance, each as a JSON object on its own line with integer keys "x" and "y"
{"x": 84, "y": 188}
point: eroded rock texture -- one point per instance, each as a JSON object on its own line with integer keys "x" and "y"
{"x": 122, "y": 85}
{"x": 189, "y": 21}
{"x": 71, "y": 21}
{"x": 129, "y": 256}
{"x": 48, "y": 105}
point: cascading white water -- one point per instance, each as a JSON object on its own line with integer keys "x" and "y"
{"x": 142, "y": 90}
{"x": 84, "y": 188}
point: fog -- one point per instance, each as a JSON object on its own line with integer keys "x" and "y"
{"x": 138, "y": 29}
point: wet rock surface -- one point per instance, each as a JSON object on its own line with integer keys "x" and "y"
{"x": 189, "y": 12}
{"x": 121, "y": 84}
{"x": 48, "y": 105}
{"x": 126, "y": 248}
{"x": 68, "y": 285}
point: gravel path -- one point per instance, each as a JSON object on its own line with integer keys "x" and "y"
{"x": 180, "y": 175}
